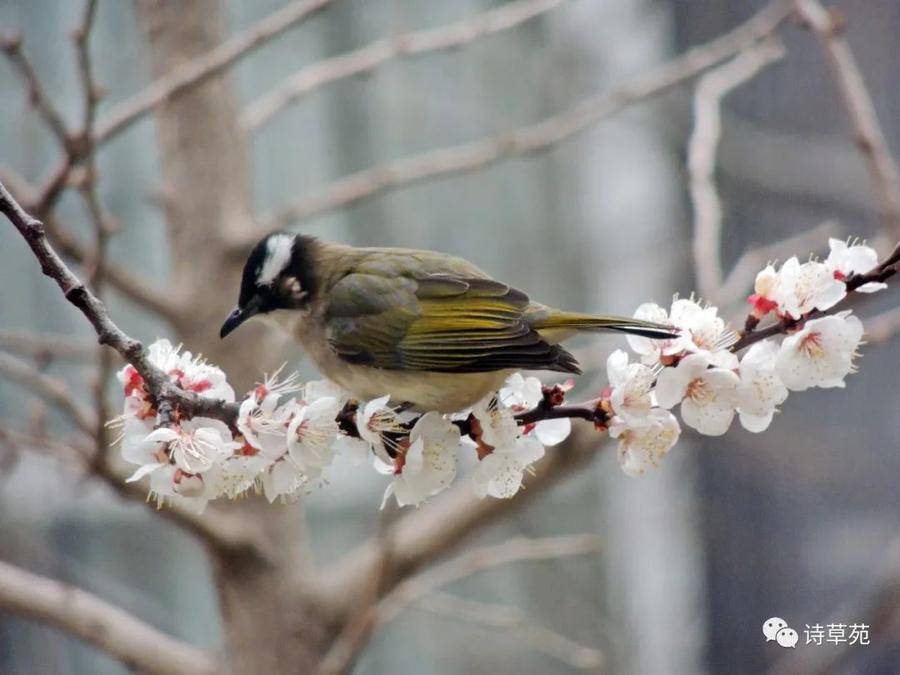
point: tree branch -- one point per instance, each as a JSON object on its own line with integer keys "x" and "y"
{"x": 882, "y": 272}
{"x": 209, "y": 65}
{"x": 49, "y": 388}
{"x": 12, "y": 47}
{"x": 164, "y": 392}
{"x": 108, "y": 628}
{"x": 524, "y": 140}
{"x": 701, "y": 155}
{"x": 372, "y": 56}
{"x": 344, "y": 650}
{"x": 44, "y": 346}
{"x": 870, "y": 138}
{"x": 514, "y": 620}
{"x": 420, "y": 537}
{"x": 139, "y": 291}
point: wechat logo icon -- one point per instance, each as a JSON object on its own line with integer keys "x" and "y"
{"x": 778, "y": 630}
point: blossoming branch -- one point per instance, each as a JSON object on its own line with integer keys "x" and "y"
{"x": 184, "y": 429}
{"x": 287, "y": 434}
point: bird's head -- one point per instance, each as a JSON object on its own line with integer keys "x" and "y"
{"x": 278, "y": 274}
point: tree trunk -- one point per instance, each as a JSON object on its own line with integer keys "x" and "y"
{"x": 207, "y": 196}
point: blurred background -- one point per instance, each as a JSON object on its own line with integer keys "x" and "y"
{"x": 802, "y": 522}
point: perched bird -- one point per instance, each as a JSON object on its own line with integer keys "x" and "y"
{"x": 431, "y": 330}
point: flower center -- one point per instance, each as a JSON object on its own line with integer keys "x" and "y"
{"x": 811, "y": 346}
{"x": 698, "y": 392}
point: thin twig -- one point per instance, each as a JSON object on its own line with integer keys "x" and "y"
{"x": 55, "y": 391}
{"x": 372, "y": 56}
{"x": 701, "y": 155}
{"x": 12, "y": 47}
{"x": 200, "y": 69}
{"x": 524, "y": 140}
{"x": 467, "y": 564}
{"x": 886, "y": 269}
{"x": 828, "y": 27}
{"x": 344, "y": 650}
{"x": 883, "y": 327}
{"x": 513, "y": 619}
{"x": 43, "y": 346}
{"x": 108, "y": 628}
{"x": 140, "y": 291}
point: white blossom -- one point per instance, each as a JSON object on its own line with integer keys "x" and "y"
{"x": 701, "y": 330}
{"x": 821, "y": 354}
{"x": 312, "y": 433}
{"x": 264, "y": 425}
{"x": 524, "y": 393}
{"x": 630, "y": 385}
{"x": 706, "y": 394}
{"x": 195, "y": 444}
{"x": 643, "y": 447}
{"x": 760, "y": 391}
{"x": 649, "y": 350}
{"x": 845, "y": 260}
{"x": 282, "y": 478}
{"x": 376, "y": 419}
{"x": 500, "y": 473}
{"x": 805, "y": 287}
{"x": 498, "y": 425}
{"x": 429, "y": 463}
{"x": 521, "y": 393}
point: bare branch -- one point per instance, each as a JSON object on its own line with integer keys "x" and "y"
{"x": 421, "y": 536}
{"x": 869, "y": 135}
{"x": 12, "y": 47}
{"x": 701, "y": 155}
{"x": 108, "y": 628}
{"x": 209, "y": 65}
{"x": 479, "y": 559}
{"x": 344, "y": 650}
{"x": 139, "y": 291}
{"x": 883, "y": 327}
{"x": 528, "y": 139}
{"x": 372, "y": 56}
{"x": 513, "y": 619}
{"x": 49, "y": 388}
{"x": 44, "y": 346}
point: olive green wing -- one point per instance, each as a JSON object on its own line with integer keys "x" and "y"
{"x": 437, "y": 323}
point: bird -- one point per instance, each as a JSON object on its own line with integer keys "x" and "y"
{"x": 432, "y": 331}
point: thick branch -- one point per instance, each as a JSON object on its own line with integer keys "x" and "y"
{"x": 528, "y": 139}
{"x": 108, "y": 628}
{"x": 366, "y": 59}
{"x": 701, "y": 155}
{"x": 858, "y": 102}
{"x": 199, "y": 70}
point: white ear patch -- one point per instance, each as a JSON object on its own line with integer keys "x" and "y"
{"x": 278, "y": 254}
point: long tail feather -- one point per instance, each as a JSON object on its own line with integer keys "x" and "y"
{"x": 554, "y": 320}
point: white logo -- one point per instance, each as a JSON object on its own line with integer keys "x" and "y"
{"x": 778, "y": 630}
{"x": 772, "y": 626}
{"x": 787, "y": 637}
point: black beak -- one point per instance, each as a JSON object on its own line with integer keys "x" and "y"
{"x": 238, "y": 316}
